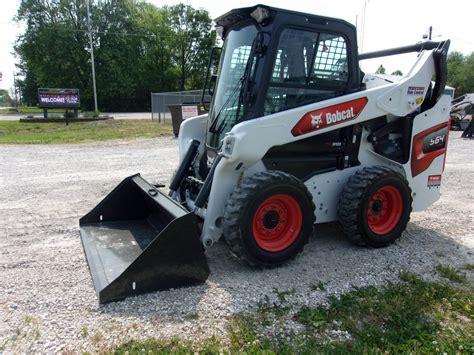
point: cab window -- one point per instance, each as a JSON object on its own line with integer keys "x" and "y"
{"x": 308, "y": 67}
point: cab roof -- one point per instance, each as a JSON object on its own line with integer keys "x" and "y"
{"x": 241, "y": 14}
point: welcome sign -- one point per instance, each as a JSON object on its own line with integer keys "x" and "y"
{"x": 59, "y": 98}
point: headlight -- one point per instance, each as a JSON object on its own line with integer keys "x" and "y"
{"x": 260, "y": 14}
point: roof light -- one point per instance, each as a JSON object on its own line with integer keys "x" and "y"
{"x": 260, "y": 14}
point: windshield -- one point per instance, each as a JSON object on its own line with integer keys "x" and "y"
{"x": 226, "y": 108}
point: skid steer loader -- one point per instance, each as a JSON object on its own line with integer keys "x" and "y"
{"x": 296, "y": 135}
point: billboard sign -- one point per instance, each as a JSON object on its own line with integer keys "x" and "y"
{"x": 59, "y": 98}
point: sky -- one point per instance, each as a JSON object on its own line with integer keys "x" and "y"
{"x": 388, "y": 24}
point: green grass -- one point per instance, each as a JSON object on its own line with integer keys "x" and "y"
{"x": 413, "y": 316}
{"x": 469, "y": 267}
{"x": 174, "y": 345}
{"x": 12, "y": 132}
{"x": 27, "y": 110}
{"x": 452, "y": 274}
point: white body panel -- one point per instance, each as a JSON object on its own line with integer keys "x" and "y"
{"x": 423, "y": 195}
{"x": 250, "y": 141}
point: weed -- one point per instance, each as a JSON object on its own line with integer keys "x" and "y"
{"x": 282, "y": 295}
{"x": 469, "y": 267}
{"x": 192, "y": 316}
{"x": 96, "y": 338}
{"x": 320, "y": 286}
{"x": 439, "y": 253}
{"x": 413, "y": 316}
{"x": 451, "y": 273}
{"x": 84, "y": 332}
{"x": 30, "y": 319}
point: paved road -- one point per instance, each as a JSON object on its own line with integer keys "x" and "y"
{"x": 116, "y": 115}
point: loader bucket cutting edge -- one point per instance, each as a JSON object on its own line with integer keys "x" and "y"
{"x": 138, "y": 240}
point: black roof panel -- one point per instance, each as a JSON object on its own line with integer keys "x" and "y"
{"x": 237, "y": 15}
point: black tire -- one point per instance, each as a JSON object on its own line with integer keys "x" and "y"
{"x": 261, "y": 218}
{"x": 374, "y": 206}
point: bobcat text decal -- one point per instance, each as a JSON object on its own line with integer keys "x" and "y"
{"x": 329, "y": 116}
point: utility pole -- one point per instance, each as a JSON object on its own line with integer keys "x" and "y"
{"x": 362, "y": 26}
{"x": 14, "y": 87}
{"x": 430, "y": 31}
{"x": 96, "y": 111}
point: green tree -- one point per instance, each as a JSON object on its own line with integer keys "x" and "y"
{"x": 139, "y": 48}
{"x": 397, "y": 72}
{"x": 461, "y": 72}
{"x": 5, "y": 99}
{"x": 192, "y": 40}
{"x": 380, "y": 70}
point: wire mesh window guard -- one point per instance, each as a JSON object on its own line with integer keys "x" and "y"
{"x": 308, "y": 67}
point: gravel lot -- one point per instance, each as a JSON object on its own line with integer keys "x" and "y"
{"x": 47, "y": 301}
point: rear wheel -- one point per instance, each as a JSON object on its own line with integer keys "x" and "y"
{"x": 268, "y": 218}
{"x": 375, "y": 206}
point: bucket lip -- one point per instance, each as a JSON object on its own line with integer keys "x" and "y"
{"x": 172, "y": 206}
{"x": 102, "y": 282}
{"x": 106, "y": 289}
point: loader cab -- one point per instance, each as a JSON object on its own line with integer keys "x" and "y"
{"x": 274, "y": 60}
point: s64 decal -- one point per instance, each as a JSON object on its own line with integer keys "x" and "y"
{"x": 427, "y": 145}
{"x": 329, "y": 116}
{"x": 435, "y": 140}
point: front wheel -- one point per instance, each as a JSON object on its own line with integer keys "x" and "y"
{"x": 375, "y": 206}
{"x": 268, "y": 218}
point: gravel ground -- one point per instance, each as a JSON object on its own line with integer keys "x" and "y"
{"x": 47, "y": 301}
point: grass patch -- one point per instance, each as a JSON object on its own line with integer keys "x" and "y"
{"x": 413, "y": 316}
{"x": 26, "y": 110}
{"x": 12, "y": 132}
{"x": 451, "y": 273}
{"x": 469, "y": 267}
{"x": 174, "y": 345}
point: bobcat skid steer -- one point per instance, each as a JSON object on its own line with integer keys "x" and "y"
{"x": 296, "y": 135}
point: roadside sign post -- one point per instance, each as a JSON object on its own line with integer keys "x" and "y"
{"x": 59, "y": 98}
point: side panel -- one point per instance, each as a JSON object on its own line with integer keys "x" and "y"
{"x": 192, "y": 128}
{"x": 326, "y": 189}
{"x": 428, "y": 153}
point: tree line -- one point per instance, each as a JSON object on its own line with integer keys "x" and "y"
{"x": 461, "y": 72}
{"x": 139, "y": 48}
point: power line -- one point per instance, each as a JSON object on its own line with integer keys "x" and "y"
{"x": 110, "y": 33}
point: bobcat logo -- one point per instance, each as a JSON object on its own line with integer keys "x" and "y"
{"x": 316, "y": 120}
